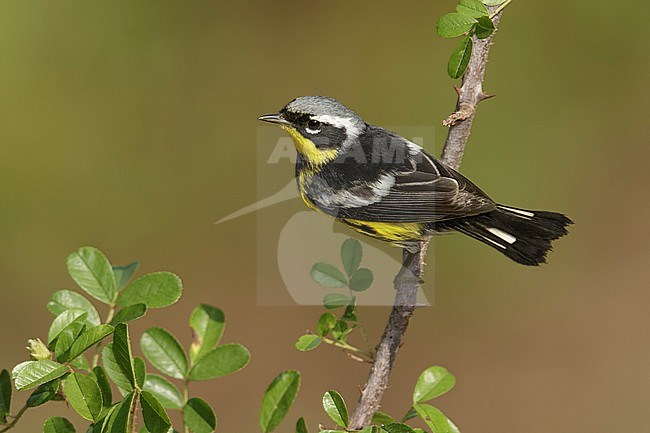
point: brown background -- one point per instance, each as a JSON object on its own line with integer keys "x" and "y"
{"x": 131, "y": 126}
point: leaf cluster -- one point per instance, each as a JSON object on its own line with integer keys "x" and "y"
{"x": 330, "y": 328}
{"x": 471, "y": 19}
{"x": 60, "y": 369}
{"x": 433, "y": 382}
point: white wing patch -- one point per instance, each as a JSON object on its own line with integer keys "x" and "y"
{"x": 370, "y": 194}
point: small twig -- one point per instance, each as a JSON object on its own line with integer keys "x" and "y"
{"x": 346, "y": 347}
{"x": 133, "y": 412}
{"x": 98, "y": 347}
{"x": 15, "y": 420}
{"x": 364, "y": 336}
{"x": 186, "y": 396}
{"x": 408, "y": 280}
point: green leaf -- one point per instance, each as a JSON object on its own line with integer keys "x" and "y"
{"x": 433, "y": 382}
{"x": 20, "y": 367}
{"x": 114, "y": 371}
{"x": 33, "y": 373}
{"x": 64, "y": 300}
{"x": 221, "y": 361}
{"x": 122, "y": 352}
{"x": 493, "y": 2}
{"x": 80, "y": 363}
{"x": 341, "y": 330}
{"x": 484, "y": 27}
{"x": 140, "y": 370}
{"x": 155, "y": 290}
{"x": 328, "y": 275}
{"x": 436, "y": 420}
{"x": 208, "y": 324}
{"x": 410, "y": 414}
{"x": 84, "y": 396}
{"x": 308, "y": 342}
{"x": 58, "y": 424}
{"x": 62, "y": 321}
{"x": 199, "y": 416}
{"x": 130, "y": 313}
{"x": 92, "y": 271}
{"x": 333, "y": 301}
{"x": 382, "y": 418}
{"x": 155, "y": 418}
{"x": 5, "y": 395}
{"x": 326, "y": 322}
{"x": 87, "y": 339}
{"x": 472, "y": 8}
{"x": 278, "y": 398}
{"x": 335, "y": 407}
{"x": 118, "y": 419}
{"x": 301, "y": 426}
{"x": 165, "y": 353}
{"x": 460, "y": 58}
{"x": 395, "y": 427}
{"x": 43, "y": 393}
{"x": 361, "y": 280}
{"x": 454, "y": 24}
{"x": 166, "y": 392}
{"x": 350, "y": 313}
{"x": 124, "y": 273}
{"x": 64, "y": 341}
{"x": 368, "y": 429}
{"x": 99, "y": 376}
{"x": 351, "y": 254}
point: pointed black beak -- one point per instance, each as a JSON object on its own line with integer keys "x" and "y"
{"x": 274, "y": 118}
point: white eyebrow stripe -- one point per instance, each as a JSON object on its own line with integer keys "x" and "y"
{"x": 351, "y": 127}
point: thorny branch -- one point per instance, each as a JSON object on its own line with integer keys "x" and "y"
{"x": 408, "y": 280}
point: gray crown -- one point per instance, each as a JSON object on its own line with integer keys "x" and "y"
{"x": 321, "y": 105}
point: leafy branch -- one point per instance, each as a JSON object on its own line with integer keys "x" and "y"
{"x": 59, "y": 369}
{"x": 355, "y": 280}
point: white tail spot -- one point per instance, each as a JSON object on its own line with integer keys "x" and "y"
{"x": 494, "y": 242}
{"x": 518, "y": 211}
{"x": 502, "y": 235}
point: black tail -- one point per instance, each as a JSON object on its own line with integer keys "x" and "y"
{"x": 524, "y": 236}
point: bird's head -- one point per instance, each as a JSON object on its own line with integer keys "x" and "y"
{"x": 319, "y": 126}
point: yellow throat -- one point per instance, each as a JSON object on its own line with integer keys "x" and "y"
{"x": 314, "y": 156}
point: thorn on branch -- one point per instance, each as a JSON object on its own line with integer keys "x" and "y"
{"x": 483, "y": 96}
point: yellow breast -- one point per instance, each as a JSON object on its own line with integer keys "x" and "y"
{"x": 395, "y": 233}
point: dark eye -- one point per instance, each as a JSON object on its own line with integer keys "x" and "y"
{"x": 313, "y": 125}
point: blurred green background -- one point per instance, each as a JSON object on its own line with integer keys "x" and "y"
{"x": 131, "y": 126}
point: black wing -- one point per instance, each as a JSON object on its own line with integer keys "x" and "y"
{"x": 424, "y": 190}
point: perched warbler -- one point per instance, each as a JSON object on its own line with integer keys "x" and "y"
{"x": 386, "y": 187}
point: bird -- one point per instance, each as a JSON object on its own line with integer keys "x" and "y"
{"x": 391, "y": 189}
